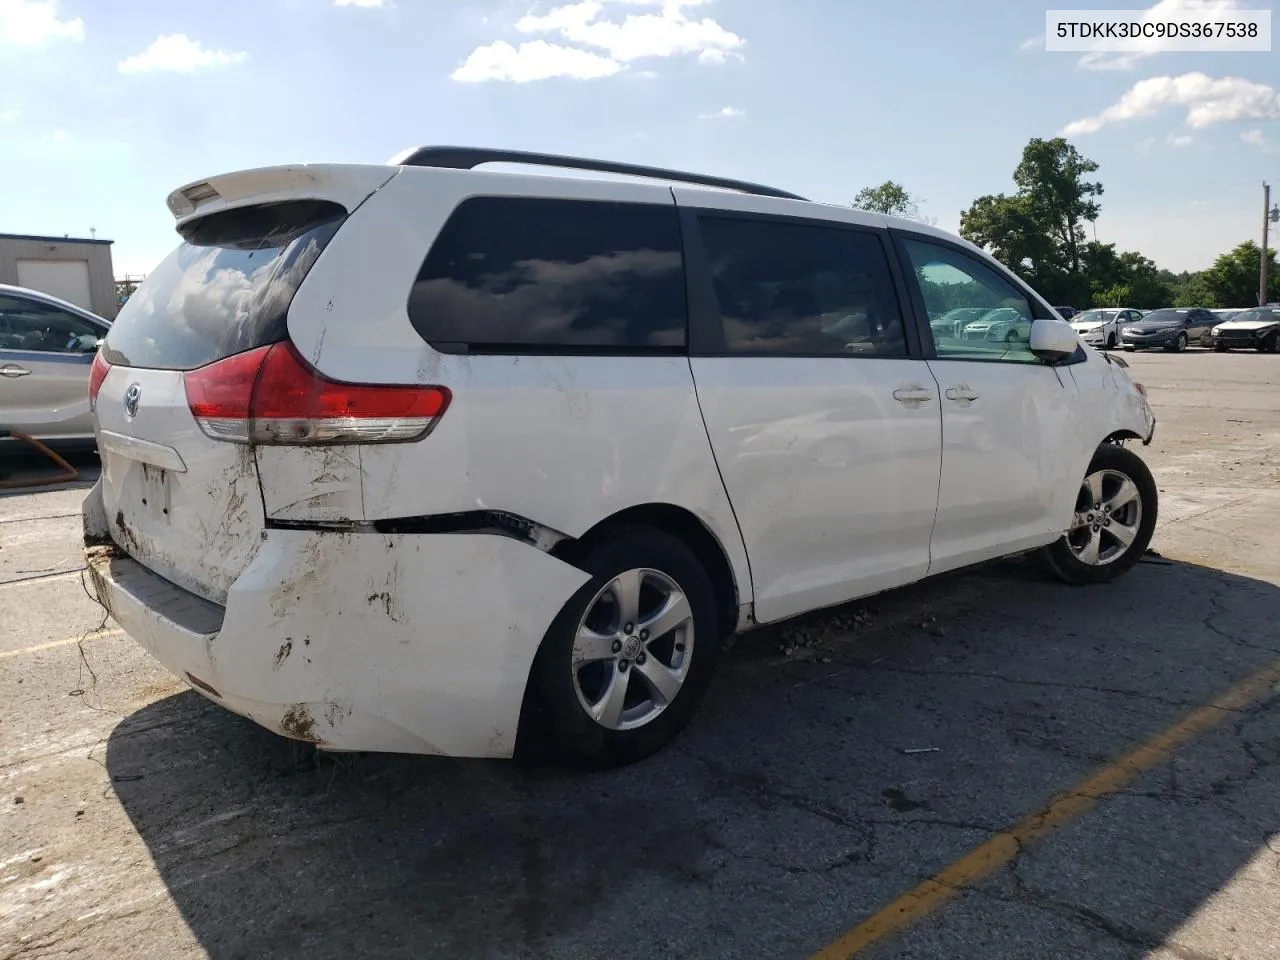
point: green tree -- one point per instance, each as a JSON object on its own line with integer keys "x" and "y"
{"x": 1039, "y": 232}
{"x": 1194, "y": 291}
{"x": 890, "y": 199}
{"x": 1232, "y": 281}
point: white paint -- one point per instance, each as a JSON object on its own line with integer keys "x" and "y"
{"x": 834, "y": 477}
{"x": 65, "y": 279}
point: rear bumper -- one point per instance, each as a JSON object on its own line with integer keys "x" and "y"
{"x": 358, "y": 641}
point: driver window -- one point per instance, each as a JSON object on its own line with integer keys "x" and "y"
{"x": 32, "y": 325}
{"x": 790, "y": 289}
{"x": 974, "y": 313}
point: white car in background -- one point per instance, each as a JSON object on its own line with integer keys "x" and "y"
{"x": 420, "y": 458}
{"x": 1258, "y": 328}
{"x": 1101, "y": 327}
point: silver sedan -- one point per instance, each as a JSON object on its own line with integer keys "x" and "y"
{"x": 46, "y": 349}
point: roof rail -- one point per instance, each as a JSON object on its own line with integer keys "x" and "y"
{"x": 467, "y": 158}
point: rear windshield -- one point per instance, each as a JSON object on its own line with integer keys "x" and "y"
{"x": 226, "y": 289}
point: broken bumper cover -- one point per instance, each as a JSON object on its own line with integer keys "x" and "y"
{"x": 354, "y": 641}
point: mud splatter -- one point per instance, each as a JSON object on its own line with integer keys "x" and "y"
{"x": 298, "y": 723}
{"x": 282, "y": 654}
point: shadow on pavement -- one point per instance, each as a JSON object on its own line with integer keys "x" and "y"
{"x": 788, "y": 813}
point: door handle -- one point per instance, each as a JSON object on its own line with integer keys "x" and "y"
{"x": 913, "y": 396}
{"x": 961, "y": 394}
{"x": 12, "y": 370}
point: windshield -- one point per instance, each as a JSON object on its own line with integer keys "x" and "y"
{"x": 1165, "y": 316}
{"x": 1094, "y": 316}
{"x": 1264, "y": 314}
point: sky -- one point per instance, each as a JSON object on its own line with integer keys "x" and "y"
{"x": 107, "y": 105}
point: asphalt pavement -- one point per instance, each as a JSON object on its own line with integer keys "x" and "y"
{"x": 990, "y": 765}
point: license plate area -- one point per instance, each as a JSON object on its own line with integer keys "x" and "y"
{"x": 154, "y": 491}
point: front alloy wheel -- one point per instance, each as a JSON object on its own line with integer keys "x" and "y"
{"x": 1112, "y": 521}
{"x": 1107, "y": 518}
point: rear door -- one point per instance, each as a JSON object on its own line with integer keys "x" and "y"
{"x": 184, "y": 504}
{"x": 1014, "y": 446}
{"x": 824, "y": 426}
{"x": 45, "y": 352}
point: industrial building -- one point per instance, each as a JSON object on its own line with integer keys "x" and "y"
{"x": 74, "y": 269}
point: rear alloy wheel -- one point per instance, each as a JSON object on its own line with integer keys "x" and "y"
{"x": 625, "y": 663}
{"x": 1113, "y": 520}
{"x": 1178, "y": 345}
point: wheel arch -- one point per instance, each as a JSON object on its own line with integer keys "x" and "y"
{"x": 686, "y": 527}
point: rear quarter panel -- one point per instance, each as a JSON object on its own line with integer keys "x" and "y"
{"x": 565, "y": 441}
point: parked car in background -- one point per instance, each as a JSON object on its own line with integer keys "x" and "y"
{"x": 951, "y": 324}
{"x": 46, "y": 348}
{"x": 1226, "y": 314}
{"x": 1101, "y": 327}
{"x": 1258, "y": 328}
{"x": 1002, "y": 324}
{"x": 1066, "y": 313}
{"x": 1173, "y": 328}
{"x": 645, "y": 444}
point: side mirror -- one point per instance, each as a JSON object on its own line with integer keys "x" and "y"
{"x": 1053, "y": 340}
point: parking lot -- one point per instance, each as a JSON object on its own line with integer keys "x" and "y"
{"x": 992, "y": 765}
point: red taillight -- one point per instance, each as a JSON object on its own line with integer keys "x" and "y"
{"x": 97, "y": 373}
{"x": 272, "y": 396}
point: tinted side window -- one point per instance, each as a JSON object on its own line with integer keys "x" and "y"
{"x": 802, "y": 290}
{"x": 32, "y": 325}
{"x": 528, "y": 274}
{"x": 974, "y": 313}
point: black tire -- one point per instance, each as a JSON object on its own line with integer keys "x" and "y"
{"x": 554, "y": 715}
{"x": 1219, "y": 348}
{"x": 1111, "y": 342}
{"x": 1059, "y": 559}
{"x": 1268, "y": 344}
{"x": 1128, "y": 349}
{"x": 1178, "y": 345}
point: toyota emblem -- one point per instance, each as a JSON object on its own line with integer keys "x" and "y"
{"x": 131, "y": 398}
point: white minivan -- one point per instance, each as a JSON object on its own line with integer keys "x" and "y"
{"x": 420, "y": 457}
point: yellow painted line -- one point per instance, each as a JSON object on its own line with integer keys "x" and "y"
{"x": 997, "y": 852}
{"x": 115, "y": 632}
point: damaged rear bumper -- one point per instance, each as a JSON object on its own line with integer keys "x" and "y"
{"x": 410, "y": 643}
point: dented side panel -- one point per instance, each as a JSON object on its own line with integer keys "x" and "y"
{"x": 356, "y": 641}
{"x": 316, "y": 484}
{"x": 565, "y": 441}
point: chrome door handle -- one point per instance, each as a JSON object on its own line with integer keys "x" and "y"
{"x": 911, "y": 396}
{"x": 12, "y": 370}
{"x": 961, "y": 394}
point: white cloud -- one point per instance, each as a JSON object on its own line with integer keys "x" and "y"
{"x": 29, "y": 23}
{"x": 61, "y": 136}
{"x": 1032, "y": 43}
{"x": 1129, "y": 59}
{"x": 1179, "y": 140}
{"x": 597, "y": 45}
{"x": 1208, "y": 101}
{"x": 1256, "y": 137}
{"x": 723, "y": 113}
{"x": 358, "y": 3}
{"x": 178, "y": 53}
{"x": 536, "y": 60}
{"x": 10, "y": 116}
